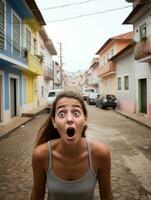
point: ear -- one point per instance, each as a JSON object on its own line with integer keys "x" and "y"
{"x": 85, "y": 121}
{"x": 53, "y": 121}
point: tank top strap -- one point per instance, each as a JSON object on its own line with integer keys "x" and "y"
{"x": 90, "y": 155}
{"x": 50, "y": 155}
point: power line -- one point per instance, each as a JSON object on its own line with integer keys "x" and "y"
{"x": 89, "y": 14}
{"x": 66, "y": 5}
{"x": 96, "y": 13}
{"x": 78, "y": 3}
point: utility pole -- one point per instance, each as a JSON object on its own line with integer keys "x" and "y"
{"x": 61, "y": 78}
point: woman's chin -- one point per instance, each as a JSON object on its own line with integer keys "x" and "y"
{"x": 72, "y": 139}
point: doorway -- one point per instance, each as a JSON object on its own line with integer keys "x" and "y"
{"x": 13, "y": 97}
{"x": 143, "y": 96}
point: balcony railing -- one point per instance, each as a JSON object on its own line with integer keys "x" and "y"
{"x": 34, "y": 64}
{"x": 143, "y": 49}
{"x": 48, "y": 74}
{"x": 106, "y": 69}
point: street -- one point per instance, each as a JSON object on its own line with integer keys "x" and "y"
{"x": 129, "y": 143}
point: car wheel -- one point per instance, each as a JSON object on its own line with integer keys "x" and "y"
{"x": 101, "y": 106}
{"x": 114, "y": 108}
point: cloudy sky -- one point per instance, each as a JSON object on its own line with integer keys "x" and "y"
{"x": 83, "y": 26}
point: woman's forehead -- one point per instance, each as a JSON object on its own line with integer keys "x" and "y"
{"x": 68, "y": 102}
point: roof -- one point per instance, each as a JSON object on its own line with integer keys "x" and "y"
{"x": 36, "y": 12}
{"x": 121, "y": 37}
{"x": 135, "y": 10}
{"x": 48, "y": 42}
{"x": 128, "y": 47}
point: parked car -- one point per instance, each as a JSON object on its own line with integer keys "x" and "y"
{"x": 91, "y": 99}
{"x": 86, "y": 92}
{"x": 51, "y": 97}
{"x": 108, "y": 100}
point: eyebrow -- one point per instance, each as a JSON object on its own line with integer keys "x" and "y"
{"x": 63, "y": 106}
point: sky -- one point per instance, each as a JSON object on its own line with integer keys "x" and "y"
{"x": 82, "y": 27}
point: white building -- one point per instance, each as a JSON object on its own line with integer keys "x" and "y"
{"x": 140, "y": 17}
{"x": 47, "y": 50}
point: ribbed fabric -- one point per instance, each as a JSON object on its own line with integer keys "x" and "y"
{"x": 80, "y": 189}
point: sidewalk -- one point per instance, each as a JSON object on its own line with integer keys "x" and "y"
{"x": 16, "y": 122}
{"x": 137, "y": 117}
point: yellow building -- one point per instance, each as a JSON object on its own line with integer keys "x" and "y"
{"x": 33, "y": 57}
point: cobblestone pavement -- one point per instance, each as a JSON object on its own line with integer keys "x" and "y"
{"x": 128, "y": 141}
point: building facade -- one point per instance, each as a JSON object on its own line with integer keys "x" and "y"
{"x": 140, "y": 18}
{"x": 107, "y": 70}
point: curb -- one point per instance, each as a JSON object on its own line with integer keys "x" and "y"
{"x": 5, "y": 135}
{"x": 139, "y": 122}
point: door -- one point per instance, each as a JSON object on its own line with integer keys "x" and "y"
{"x": 143, "y": 90}
{"x": 13, "y": 96}
{"x": 0, "y": 98}
{"x": 24, "y": 90}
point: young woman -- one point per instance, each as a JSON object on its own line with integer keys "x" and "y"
{"x": 64, "y": 161}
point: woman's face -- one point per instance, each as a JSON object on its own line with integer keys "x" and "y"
{"x": 69, "y": 119}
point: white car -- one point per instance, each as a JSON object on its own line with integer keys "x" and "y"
{"x": 51, "y": 97}
{"x": 87, "y": 91}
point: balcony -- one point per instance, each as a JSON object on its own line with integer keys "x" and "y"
{"x": 13, "y": 56}
{"x": 34, "y": 64}
{"x": 107, "y": 69}
{"x": 143, "y": 50}
{"x": 48, "y": 74}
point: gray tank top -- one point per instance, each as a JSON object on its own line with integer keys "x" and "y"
{"x": 80, "y": 189}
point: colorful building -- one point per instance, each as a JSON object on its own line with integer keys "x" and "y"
{"x": 107, "y": 70}
{"x": 12, "y": 58}
{"x": 19, "y": 65}
{"x": 140, "y": 18}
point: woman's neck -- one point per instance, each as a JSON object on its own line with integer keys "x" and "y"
{"x": 71, "y": 150}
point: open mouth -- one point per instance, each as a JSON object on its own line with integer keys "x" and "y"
{"x": 70, "y": 132}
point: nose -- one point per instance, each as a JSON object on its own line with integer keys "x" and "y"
{"x": 69, "y": 118}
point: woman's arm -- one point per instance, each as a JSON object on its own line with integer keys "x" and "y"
{"x": 104, "y": 174}
{"x": 39, "y": 175}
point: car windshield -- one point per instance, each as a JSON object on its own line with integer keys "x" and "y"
{"x": 51, "y": 94}
{"x": 93, "y": 95}
{"x": 89, "y": 90}
{"x": 110, "y": 97}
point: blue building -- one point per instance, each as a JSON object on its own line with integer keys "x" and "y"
{"x": 13, "y": 55}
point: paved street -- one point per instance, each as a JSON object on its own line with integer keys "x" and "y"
{"x": 128, "y": 141}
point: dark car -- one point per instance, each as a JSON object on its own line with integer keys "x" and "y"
{"x": 91, "y": 99}
{"x": 108, "y": 100}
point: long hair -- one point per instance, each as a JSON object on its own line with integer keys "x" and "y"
{"x": 48, "y": 131}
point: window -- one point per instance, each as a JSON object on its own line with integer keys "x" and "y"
{"x": 16, "y": 35}
{"x": 126, "y": 82}
{"x": 42, "y": 91}
{"x": 119, "y": 83}
{"x": 2, "y": 25}
{"x": 142, "y": 30}
{"x": 28, "y": 39}
{"x": 35, "y": 46}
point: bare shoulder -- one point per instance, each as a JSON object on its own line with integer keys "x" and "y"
{"x": 100, "y": 151}
{"x": 40, "y": 153}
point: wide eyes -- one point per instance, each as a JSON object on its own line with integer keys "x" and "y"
{"x": 62, "y": 114}
{"x": 76, "y": 113}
